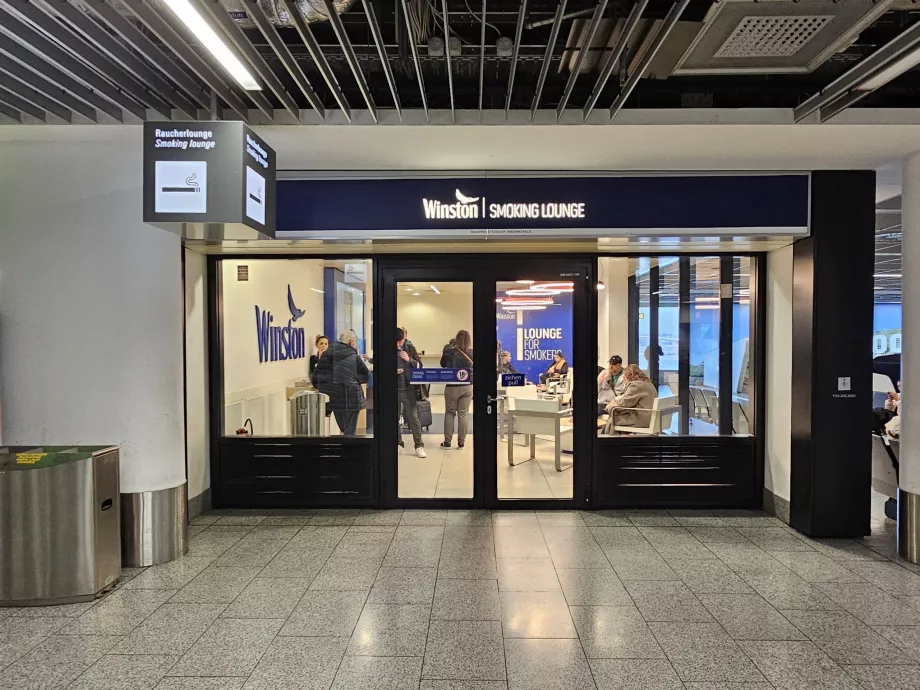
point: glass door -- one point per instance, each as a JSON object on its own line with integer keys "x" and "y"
{"x": 544, "y": 384}
{"x": 472, "y": 419}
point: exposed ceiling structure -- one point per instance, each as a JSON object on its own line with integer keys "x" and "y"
{"x": 365, "y": 61}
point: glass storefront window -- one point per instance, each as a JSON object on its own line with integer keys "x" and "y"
{"x": 663, "y": 317}
{"x": 291, "y": 328}
{"x": 704, "y": 345}
{"x": 741, "y": 346}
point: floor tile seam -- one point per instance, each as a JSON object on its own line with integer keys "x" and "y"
{"x": 177, "y": 659}
{"x": 32, "y": 648}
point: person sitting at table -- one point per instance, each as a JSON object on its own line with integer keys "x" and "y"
{"x": 556, "y": 370}
{"x": 507, "y": 367}
{"x": 611, "y": 383}
{"x": 634, "y": 407}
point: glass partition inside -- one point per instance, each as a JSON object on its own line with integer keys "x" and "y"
{"x": 296, "y": 347}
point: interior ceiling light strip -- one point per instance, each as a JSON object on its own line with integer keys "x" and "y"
{"x": 214, "y": 44}
{"x": 244, "y": 45}
{"x": 106, "y": 41}
{"x": 180, "y": 46}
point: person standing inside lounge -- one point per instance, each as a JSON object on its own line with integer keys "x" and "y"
{"x": 322, "y": 344}
{"x": 340, "y": 373}
{"x": 611, "y": 383}
{"x": 458, "y": 397}
{"x": 408, "y": 403}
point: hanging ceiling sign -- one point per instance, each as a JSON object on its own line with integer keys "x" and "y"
{"x": 219, "y": 176}
{"x": 764, "y": 204}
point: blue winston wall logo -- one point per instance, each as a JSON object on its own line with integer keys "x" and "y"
{"x": 280, "y": 343}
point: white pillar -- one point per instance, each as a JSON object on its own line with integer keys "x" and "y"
{"x": 909, "y": 474}
{"x": 90, "y": 306}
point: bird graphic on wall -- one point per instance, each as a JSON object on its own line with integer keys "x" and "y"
{"x": 464, "y": 199}
{"x": 295, "y": 312}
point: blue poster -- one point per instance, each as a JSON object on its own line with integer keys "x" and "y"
{"x": 532, "y": 338}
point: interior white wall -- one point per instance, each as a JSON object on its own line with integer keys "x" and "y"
{"x": 90, "y": 308}
{"x": 778, "y": 446}
{"x": 432, "y": 320}
{"x": 197, "y": 447}
{"x": 613, "y": 309}
{"x": 253, "y": 389}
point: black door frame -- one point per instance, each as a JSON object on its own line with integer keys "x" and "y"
{"x": 484, "y": 271}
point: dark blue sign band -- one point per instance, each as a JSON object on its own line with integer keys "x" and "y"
{"x": 539, "y": 203}
{"x": 458, "y": 376}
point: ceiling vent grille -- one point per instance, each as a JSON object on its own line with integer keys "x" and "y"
{"x": 776, "y": 36}
{"x": 764, "y": 37}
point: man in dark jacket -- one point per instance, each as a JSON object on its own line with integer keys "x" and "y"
{"x": 339, "y": 374}
{"x": 408, "y": 403}
{"x": 409, "y": 346}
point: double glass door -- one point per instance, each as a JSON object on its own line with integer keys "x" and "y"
{"x": 479, "y": 391}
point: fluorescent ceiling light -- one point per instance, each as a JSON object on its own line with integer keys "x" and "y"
{"x": 895, "y": 69}
{"x": 416, "y": 294}
{"x": 527, "y": 292}
{"x": 524, "y": 282}
{"x": 886, "y": 275}
{"x": 434, "y": 290}
{"x": 322, "y": 292}
{"x": 214, "y": 44}
{"x": 522, "y": 308}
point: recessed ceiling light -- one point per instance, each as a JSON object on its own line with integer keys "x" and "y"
{"x": 416, "y": 294}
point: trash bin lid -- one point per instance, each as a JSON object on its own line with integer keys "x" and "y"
{"x": 17, "y": 458}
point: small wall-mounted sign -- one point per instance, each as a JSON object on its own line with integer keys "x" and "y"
{"x": 511, "y": 380}
{"x": 242, "y": 273}
{"x": 843, "y": 383}
{"x": 455, "y": 376}
{"x": 726, "y": 291}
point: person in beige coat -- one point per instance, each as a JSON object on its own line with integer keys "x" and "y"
{"x": 633, "y": 408}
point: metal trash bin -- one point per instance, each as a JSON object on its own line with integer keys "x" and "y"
{"x": 59, "y": 524}
{"x": 308, "y": 413}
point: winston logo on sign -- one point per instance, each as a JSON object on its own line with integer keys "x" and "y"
{"x": 464, "y": 207}
{"x": 280, "y": 343}
{"x": 474, "y": 207}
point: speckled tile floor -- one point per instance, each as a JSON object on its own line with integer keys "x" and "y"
{"x": 467, "y": 600}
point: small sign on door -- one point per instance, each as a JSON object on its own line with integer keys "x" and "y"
{"x": 242, "y": 273}
{"x": 843, "y": 383}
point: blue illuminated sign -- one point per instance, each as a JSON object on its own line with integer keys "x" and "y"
{"x": 456, "y": 376}
{"x": 589, "y": 205}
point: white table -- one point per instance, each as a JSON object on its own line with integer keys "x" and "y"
{"x": 528, "y": 424}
